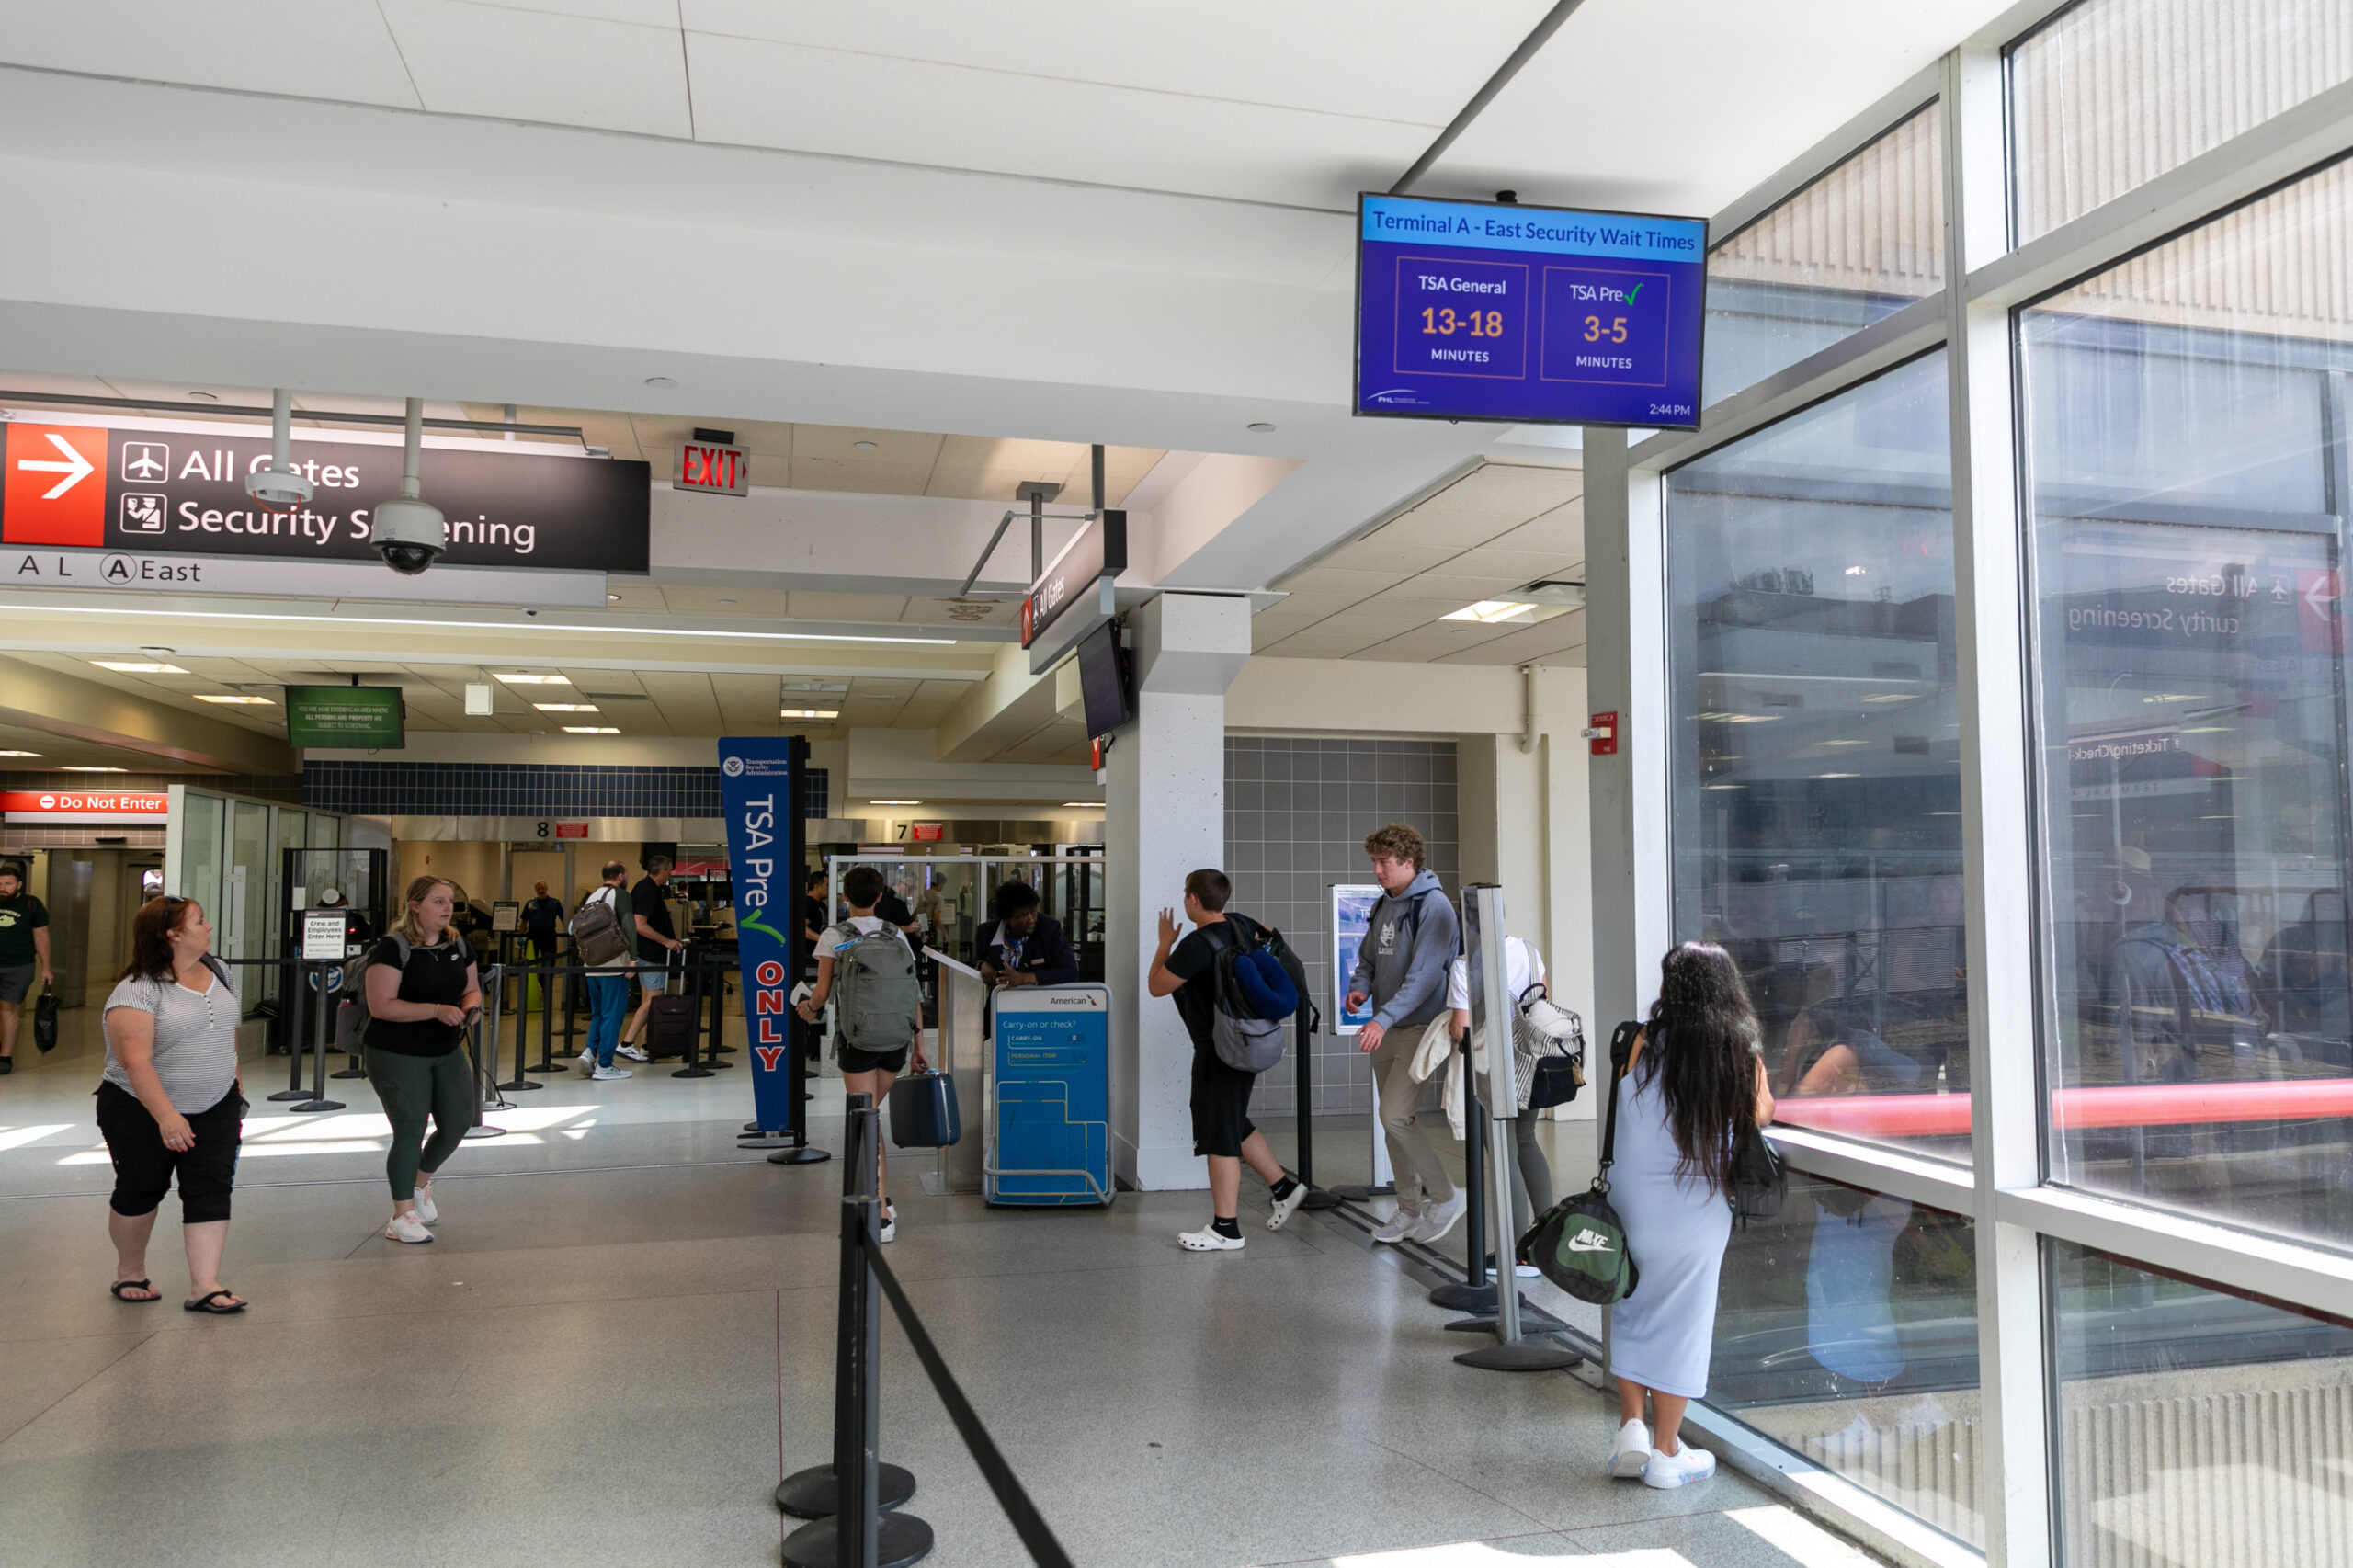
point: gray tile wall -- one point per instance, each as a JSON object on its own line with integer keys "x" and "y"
{"x": 1296, "y": 816}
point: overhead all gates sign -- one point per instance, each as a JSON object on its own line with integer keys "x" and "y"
{"x": 116, "y": 503}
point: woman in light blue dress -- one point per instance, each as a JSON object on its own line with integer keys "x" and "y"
{"x": 1694, "y": 1088}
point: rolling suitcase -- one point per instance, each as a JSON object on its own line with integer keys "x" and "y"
{"x": 669, "y": 1025}
{"x": 922, "y": 1112}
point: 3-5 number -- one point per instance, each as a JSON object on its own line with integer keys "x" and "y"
{"x": 1595, "y": 330}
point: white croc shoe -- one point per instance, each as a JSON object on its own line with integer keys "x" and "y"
{"x": 1287, "y": 1207}
{"x": 1683, "y": 1466}
{"x": 1631, "y": 1451}
{"x": 1206, "y": 1239}
{"x": 405, "y": 1228}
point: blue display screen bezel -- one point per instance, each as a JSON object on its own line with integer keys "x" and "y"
{"x": 1691, "y": 309}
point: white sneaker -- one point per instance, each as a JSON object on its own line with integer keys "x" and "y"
{"x": 632, "y": 1052}
{"x": 587, "y": 1063}
{"x": 1441, "y": 1219}
{"x": 890, "y": 1224}
{"x": 1287, "y": 1207}
{"x": 1681, "y": 1468}
{"x": 1631, "y": 1451}
{"x": 1399, "y": 1226}
{"x": 1526, "y": 1271}
{"x": 427, "y": 1211}
{"x": 1206, "y": 1239}
{"x": 607, "y": 1075}
{"x": 405, "y": 1228}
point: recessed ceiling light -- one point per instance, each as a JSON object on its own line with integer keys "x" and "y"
{"x": 863, "y": 446}
{"x": 205, "y": 396}
{"x": 727, "y": 601}
{"x": 567, "y": 707}
{"x": 152, "y": 647}
{"x": 1262, "y": 428}
{"x": 895, "y": 802}
{"x": 1082, "y": 803}
{"x": 139, "y": 666}
{"x": 662, "y": 384}
{"x": 19, "y": 753}
{"x": 532, "y": 680}
{"x": 590, "y": 730}
{"x": 613, "y": 598}
{"x": 236, "y": 698}
{"x": 809, "y": 714}
{"x": 89, "y": 769}
{"x": 1493, "y": 612}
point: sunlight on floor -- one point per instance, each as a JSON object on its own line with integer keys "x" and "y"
{"x": 355, "y": 1132}
{"x": 18, "y": 1137}
{"x": 1526, "y": 1549}
{"x": 1799, "y": 1536}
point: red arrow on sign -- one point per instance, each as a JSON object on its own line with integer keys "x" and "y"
{"x": 48, "y": 496}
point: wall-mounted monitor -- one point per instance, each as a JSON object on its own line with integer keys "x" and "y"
{"x": 369, "y": 717}
{"x": 1480, "y": 309}
{"x": 1103, "y": 680}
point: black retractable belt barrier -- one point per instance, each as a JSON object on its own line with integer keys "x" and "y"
{"x": 800, "y": 1151}
{"x": 1480, "y": 1295}
{"x": 1304, "y": 1072}
{"x": 847, "y": 1500}
{"x": 484, "y": 1056}
{"x": 318, "y": 1002}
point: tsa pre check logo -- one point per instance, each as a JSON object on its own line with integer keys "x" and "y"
{"x": 732, "y": 767}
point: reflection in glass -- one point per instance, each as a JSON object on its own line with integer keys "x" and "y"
{"x": 2185, "y": 420}
{"x": 2110, "y": 94}
{"x": 1817, "y": 805}
{"x": 2196, "y": 1427}
{"x": 1847, "y": 1330}
{"x": 1861, "y": 241}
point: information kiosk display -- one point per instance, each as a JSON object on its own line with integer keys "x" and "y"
{"x": 1048, "y": 1128}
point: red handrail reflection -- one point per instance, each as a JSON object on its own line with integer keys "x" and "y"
{"x": 2120, "y": 1104}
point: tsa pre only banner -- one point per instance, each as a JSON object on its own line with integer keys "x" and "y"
{"x": 757, "y": 790}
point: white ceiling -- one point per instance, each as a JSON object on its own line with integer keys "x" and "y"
{"x": 1677, "y": 105}
{"x": 1385, "y": 594}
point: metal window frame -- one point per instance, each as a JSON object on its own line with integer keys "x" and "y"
{"x": 1973, "y": 317}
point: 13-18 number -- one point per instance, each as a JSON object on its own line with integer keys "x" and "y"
{"x": 1437, "y": 323}
{"x": 1614, "y": 330}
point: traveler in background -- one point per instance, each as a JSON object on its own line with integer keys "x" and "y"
{"x": 869, "y": 1066}
{"x": 418, "y": 1003}
{"x": 813, "y": 919}
{"x": 168, "y": 1103}
{"x": 892, "y": 910}
{"x": 542, "y": 918}
{"x": 1693, "y": 1090}
{"x": 608, "y": 982}
{"x": 1409, "y": 940}
{"x": 1531, "y": 1175}
{"x": 23, "y": 955}
{"x": 1021, "y": 946}
{"x": 1223, "y": 1133}
{"x": 657, "y": 945}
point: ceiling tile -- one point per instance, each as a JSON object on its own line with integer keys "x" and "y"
{"x": 495, "y": 60}
{"x": 324, "y": 49}
{"x": 1340, "y": 582}
{"x": 806, "y": 605}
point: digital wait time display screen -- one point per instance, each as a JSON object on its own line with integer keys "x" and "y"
{"x": 1474, "y": 310}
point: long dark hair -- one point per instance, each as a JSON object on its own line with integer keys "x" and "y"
{"x": 1697, "y": 1048}
{"x": 151, "y": 937}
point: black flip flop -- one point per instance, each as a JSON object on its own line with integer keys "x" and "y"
{"x": 119, "y": 1286}
{"x": 204, "y": 1305}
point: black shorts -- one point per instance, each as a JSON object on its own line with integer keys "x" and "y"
{"x": 855, "y": 1061}
{"x": 143, "y": 1167}
{"x": 1220, "y": 1106}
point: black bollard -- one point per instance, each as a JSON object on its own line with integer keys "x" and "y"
{"x": 318, "y": 1099}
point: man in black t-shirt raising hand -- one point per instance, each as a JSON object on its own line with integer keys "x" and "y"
{"x": 1222, "y": 1132}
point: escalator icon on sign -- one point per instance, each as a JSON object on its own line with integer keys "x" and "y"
{"x": 143, "y": 513}
{"x": 146, "y": 462}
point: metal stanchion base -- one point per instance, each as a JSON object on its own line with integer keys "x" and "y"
{"x": 764, "y": 1140}
{"x": 1532, "y": 1320}
{"x": 752, "y": 1127}
{"x": 809, "y": 1494}
{"x": 1522, "y": 1357}
{"x": 291, "y": 1094}
{"x": 513, "y": 1084}
{"x": 314, "y": 1105}
{"x": 1477, "y": 1300}
{"x": 485, "y": 1131}
{"x": 1318, "y": 1198}
{"x": 1357, "y": 1194}
{"x": 807, "y": 1154}
{"x": 694, "y": 1073}
{"x": 902, "y": 1539}
{"x": 350, "y": 1073}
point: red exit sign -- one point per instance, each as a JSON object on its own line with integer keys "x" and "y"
{"x": 714, "y": 468}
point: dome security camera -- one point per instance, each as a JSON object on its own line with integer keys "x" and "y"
{"x": 278, "y": 489}
{"x": 410, "y": 534}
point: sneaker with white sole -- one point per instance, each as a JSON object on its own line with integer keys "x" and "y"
{"x": 607, "y": 1075}
{"x": 632, "y": 1052}
{"x": 1398, "y": 1227}
{"x": 1681, "y": 1468}
{"x": 1207, "y": 1239}
{"x": 405, "y": 1228}
{"x": 427, "y": 1211}
{"x": 1442, "y": 1218}
{"x": 1631, "y": 1450}
{"x": 1287, "y": 1207}
{"x": 890, "y": 1224}
{"x": 587, "y": 1061}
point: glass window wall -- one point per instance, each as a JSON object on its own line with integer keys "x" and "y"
{"x": 2186, "y": 416}
{"x": 1816, "y": 768}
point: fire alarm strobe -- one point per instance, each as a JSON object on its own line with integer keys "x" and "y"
{"x": 1602, "y": 732}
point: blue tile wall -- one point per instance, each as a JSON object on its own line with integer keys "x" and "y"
{"x": 494, "y": 789}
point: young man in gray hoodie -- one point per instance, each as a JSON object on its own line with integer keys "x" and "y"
{"x": 1408, "y": 943}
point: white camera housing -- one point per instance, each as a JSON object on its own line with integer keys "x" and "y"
{"x": 279, "y": 489}
{"x": 410, "y": 534}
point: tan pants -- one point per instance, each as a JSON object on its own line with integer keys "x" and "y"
{"x": 1421, "y": 1179}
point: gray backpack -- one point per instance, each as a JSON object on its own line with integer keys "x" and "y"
{"x": 877, "y": 1000}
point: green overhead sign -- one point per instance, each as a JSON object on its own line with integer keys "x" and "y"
{"x": 354, "y": 716}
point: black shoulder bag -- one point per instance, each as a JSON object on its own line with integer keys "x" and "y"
{"x": 1579, "y": 1244}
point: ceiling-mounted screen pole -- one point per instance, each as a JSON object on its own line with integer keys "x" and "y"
{"x": 1098, "y": 478}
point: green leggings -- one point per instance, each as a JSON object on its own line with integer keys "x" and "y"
{"x": 411, "y": 1086}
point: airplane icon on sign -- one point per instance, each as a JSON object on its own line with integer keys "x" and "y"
{"x": 147, "y": 461}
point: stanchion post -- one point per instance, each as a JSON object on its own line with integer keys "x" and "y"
{"x": 545, "y": 964}
{"x": 318, "y": 1100}
{"x": 796, "y": 1095}
{"x": 1303, "y": 1074}
{"x": 484, "y": 1051}
{"x": 522, "y": 1043}
{"x": 293, "y": 1089}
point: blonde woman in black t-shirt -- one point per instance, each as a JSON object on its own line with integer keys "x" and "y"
{"x": 422, "y": 987}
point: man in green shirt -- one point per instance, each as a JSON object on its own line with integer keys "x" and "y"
{"x": 23, "y": 955}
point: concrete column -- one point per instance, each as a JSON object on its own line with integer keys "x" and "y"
{"x": 1166, "y": 816}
